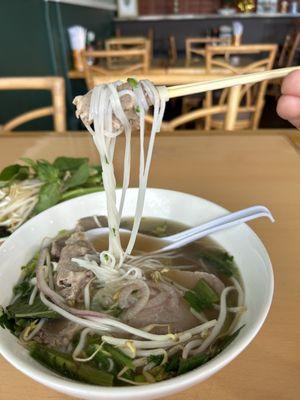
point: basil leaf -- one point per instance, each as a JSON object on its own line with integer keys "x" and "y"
{"x": 47, "y": 172}
{"x": 79, "y": 177}
{"x": 69, "y": 163}
{"x": 29, "y": 162}
{"x": 49, "y": 195}
{"x": 12, "y": 173}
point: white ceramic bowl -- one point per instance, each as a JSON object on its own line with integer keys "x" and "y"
{"x": 241, "y": 241}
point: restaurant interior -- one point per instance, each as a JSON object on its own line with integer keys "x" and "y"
{"x": 176, "y": 42}
{"x": 92, "y": 93}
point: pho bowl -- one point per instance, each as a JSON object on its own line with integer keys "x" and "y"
{"x": 249, "y": 252}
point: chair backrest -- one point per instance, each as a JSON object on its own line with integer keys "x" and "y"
{"x": 285, "y": 51}
{"x": 55, "y": 85}
{"x": 195, "y": 47}
{"x": 290, "y": 48}
{"x": 172, "y": 50}
{"x": 228, "y": 110}
{"x": 123, "y": 67}
{"x": 125, "y": 42}
{"x": 229, "y": 59}
{"x": 221, "y": 57}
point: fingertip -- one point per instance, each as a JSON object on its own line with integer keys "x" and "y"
{"x": 291, "y": 84}
{"x": 288, "y": 107}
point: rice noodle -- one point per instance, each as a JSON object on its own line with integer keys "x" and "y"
{"x": 105, "y": 103}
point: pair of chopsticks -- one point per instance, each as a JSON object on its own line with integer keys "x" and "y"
{"x": 206, "y": 86}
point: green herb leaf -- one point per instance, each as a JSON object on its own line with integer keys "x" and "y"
{"x": 29, "y": 269}
{"x": 225, "y": 341}
{"x": 21, "y": 309}
{"x": 132, "y": 82}
{"x": 23, "y": 288}
{"x": 221, "y": 260}
{"x": 205, "y": 292}
{"x": 202, "y": 296}
{"x": 66, "y": 366}
{"x": 78, "y": 178}
{"x": 199, "y": 359}
{"x": 12, "y": 173}
{"x": 101, "y": 359}
{"x": 49, "y": 195}
{"x": 156, "y": 359}
{"x": 46, "y": 172}
{"x": 137, "y": 109}
{"x": 194, "y": 301}
{"x": 6, "y": 322}
{"x": 71, "y": 194}
{"x": 173, "y": 365}
{"x": 120, "y": 358}
{"x": 29, "y": 162}
{"x": 192, "y": 362}
{"x": 69, "y": 163}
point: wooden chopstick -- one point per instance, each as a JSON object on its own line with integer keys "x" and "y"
{"x": 206, "y": 86}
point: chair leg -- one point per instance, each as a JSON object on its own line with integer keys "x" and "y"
{"x": 233, "y": 106}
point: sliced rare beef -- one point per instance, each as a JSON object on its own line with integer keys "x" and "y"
{"x": 70, "y": 279}
{"x": 165, "y": 306}
{"x": 57, "y": 333}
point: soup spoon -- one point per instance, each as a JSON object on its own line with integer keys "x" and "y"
{"x": 190, "y": 235}
{"x": 225, "y": 222}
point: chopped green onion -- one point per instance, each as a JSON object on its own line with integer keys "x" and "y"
{"x": 137, "y": 109}
{"x": 65, "y": 365}
{"x": 205, "y": 292}
{"x": 133, "y": 83}
{"x": 119, "y": 357}
{"x": 201, "y": 297}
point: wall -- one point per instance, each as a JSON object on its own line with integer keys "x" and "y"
{"x": 256, "y": 29}
{"x": 35, "y": 43}
{"x": 159, "y": 7}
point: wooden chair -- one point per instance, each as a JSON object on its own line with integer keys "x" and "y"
{"x": 126, "y": 43}
{"x": 56, "y": 85}
{"x": 196, "y": 47}
{"x": 141, "y": 64}
{"x": 172, "y": 50}
{"x": 228, "y": 109}
{"x": 286, "y": 58}
{"x": 251, "y": 97}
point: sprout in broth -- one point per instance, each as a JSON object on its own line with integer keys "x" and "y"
{"x": 116, "y": 313}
